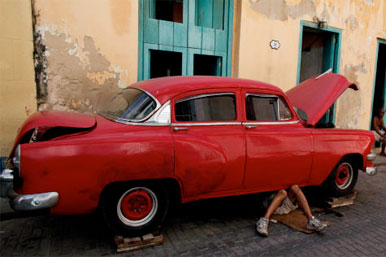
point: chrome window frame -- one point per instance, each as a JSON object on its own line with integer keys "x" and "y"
{"x": 130, "y": 121}
{"x": 203, "y": 123}
{"x": 278, "y": 108}
{"x": 202, "y": 96}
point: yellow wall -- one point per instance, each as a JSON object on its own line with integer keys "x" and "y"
{"x": 17, "y": 85}
{"x": 91, "y": 51}
{"x": 361, "y": 22}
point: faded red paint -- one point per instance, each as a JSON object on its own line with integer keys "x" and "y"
{"x": 206, "y": 161}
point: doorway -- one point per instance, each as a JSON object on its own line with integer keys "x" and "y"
{"x": 319, "y": 53}
{"x": 380, "y": 80}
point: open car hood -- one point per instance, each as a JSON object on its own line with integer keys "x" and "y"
{"x": 53, "y": 119}
{"x": 317, "y": 94}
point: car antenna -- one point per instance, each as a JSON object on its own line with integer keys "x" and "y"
{"x": 326, "y": 72}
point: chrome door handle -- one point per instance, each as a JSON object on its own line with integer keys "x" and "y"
{"x": 249, "y": 127}
{"x": 178, "y": 129}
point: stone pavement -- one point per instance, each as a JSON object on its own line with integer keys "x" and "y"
{"x": 221, "y": 227}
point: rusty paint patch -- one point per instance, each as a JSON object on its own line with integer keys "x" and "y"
{"x": 282, "y": 9}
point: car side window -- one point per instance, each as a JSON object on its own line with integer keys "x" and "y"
{"x": 266, "y": 108}
{"x": 216, "y": 107}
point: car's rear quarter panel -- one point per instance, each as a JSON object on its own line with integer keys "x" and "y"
{"x": 78, "y": 168}
{"x": 331, "y": 145}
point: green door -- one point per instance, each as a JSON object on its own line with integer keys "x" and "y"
{"x": 199, "y": 31}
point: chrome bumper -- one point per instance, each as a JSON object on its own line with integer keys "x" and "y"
{"x": 25, "y": 202}
{"x": 371, "y": 171}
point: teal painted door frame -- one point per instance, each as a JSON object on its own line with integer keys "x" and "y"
{"x": 379, "y": 43}
{"x": 329, "y": 61}
{"x": 187, "y": 37}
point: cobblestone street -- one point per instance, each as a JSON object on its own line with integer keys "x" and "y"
{"x": 222, "y": 227}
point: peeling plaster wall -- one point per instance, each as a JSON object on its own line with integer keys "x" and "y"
{"x": 90, "y": 52}
{"x": 361, "y": 22}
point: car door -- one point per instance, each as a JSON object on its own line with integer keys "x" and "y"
{"x": 209, "y": 142}
{"x": 279, "y": 148}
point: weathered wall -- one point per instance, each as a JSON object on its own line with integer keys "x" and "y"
{"x": 361, "y": 22}
{"x": 17, "y": 86}
{"x": 88, "y": 51}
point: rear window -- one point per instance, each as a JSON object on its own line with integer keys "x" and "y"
{"x": 266, "y": 108}
{"x": 219, "y": 107}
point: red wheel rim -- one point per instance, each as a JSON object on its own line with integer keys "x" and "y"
{"x": 342, "y": 175}
{"x": 136, "y": 205}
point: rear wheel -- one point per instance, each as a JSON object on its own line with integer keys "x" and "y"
{"x": 134, "y": 210}
{"x": 342, "y": 179}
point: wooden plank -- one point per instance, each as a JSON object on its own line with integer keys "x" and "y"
{"x": 180, "y": 35}
{"x": 205, "y": 13}
{"x": 190, "y": 61}
{"x": 194, "y": 32}
{"x": 166, "y": 33}
{"x": 208, "y": 36}
{"x": 125, "y": 244}
{"x": 221, "y": 41}
{"x": 150, "y": 25}
{"x": 146, "y": 59}
{"x": 343, "y": 201}
{"x": 218, "y": 14}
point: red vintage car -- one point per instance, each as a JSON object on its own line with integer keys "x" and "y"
{"x": 183, "y": 139}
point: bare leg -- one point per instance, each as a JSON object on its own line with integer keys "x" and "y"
{"x": 383, "y": 149}
{"x": 276, "y": 201}
{"x": 295, "y": 193}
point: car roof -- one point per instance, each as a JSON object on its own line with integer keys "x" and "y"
{"x": 166, "y": 88}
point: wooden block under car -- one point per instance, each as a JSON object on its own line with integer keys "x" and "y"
{"x": 342, "y": 201}
{"x": 126, "y": 244}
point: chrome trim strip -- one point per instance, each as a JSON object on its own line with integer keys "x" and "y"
{"x": 271, "y": 122}
{"x": 151, "y": 124}
{"x": 206, "y": 124}
{"x": 261, "y": 95}
{"x": 324, "y": 73}
{"x": 204, "y": 95}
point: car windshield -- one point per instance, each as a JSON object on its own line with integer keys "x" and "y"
{"x": 131, "y": 104}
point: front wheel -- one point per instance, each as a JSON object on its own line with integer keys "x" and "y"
{"x": 342, "y": 179}
{"x": 134, "y": 210}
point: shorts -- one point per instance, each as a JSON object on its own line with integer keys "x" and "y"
{"x": 286, "y": 205}
{"x": 378, "y": 137}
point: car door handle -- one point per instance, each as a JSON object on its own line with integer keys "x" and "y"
{"x": 249, "y": 127}
{"x": 178, "y": 129}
